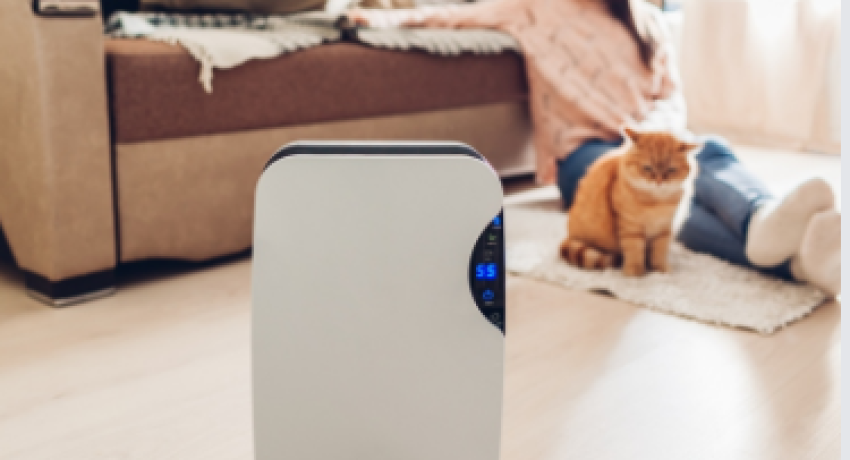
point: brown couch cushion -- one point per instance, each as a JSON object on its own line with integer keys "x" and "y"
{"x": 155, "y": 93}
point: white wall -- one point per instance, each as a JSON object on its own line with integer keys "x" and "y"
{"x": 825, "y": 123}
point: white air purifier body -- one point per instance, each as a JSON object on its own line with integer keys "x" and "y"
{"x": 378, "y": 304}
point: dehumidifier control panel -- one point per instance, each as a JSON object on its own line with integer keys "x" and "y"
{"x": 487, "y": 272}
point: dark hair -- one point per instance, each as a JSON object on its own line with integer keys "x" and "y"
{"x": 622, "y": 11}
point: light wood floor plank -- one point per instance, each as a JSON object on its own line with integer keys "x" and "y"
{"x": 160, "y": 371}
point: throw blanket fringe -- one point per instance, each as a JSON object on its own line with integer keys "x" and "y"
{"x": 220, "y": 41}
{"x": 225, "y": 41}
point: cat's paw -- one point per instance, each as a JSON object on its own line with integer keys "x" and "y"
{"x": 661, "y": 266}
{"x": 634, "y": 269}
{"x": 565, "y": 250}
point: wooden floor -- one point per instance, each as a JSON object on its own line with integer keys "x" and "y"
{"x": 160, "y": 371}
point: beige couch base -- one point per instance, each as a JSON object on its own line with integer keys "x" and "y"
{"x": 56, "y": 202}
{"x": 193, "y": 198}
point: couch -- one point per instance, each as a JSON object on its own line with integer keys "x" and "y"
{"x": 111, "y": 152}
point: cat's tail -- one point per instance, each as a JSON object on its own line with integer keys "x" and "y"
{"x": 581, "y": 255}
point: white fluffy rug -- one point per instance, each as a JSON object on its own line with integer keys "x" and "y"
{"x": 698, "y": 286}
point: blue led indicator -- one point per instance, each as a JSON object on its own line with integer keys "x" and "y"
{"x": 497, "y": 221}
{"x": 488, "y": 295}
{"x": 487, "y": 271}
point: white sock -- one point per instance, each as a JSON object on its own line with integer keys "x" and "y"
{"x": 777, "y": 228}
{"x": 819, "y": 258}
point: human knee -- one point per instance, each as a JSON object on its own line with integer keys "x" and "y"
{"x": 715, "y": 147}
{"x": 567, "y": 185}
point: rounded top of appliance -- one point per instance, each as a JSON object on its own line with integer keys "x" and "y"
{"x": 374, "y": 148}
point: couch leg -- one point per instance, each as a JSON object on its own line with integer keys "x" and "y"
{"x": 70, "y": 291}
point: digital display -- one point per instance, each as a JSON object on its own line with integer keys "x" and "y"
{"x": 487, "y": 271}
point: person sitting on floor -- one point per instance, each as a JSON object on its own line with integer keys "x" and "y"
{"x": 596, "y": 66}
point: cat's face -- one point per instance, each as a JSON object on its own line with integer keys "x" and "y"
{"x": 657, "y": 162}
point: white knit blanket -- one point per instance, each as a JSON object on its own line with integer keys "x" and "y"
{"x": 445, "y": 42}
{"x": 226, "y": 41}
{"x": 698, "y": 286}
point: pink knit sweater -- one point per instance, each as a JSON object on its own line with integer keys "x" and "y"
{"x": 586, "y": 77}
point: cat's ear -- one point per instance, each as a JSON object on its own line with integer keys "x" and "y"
{"x": 688, "y": 148}
{"x": 632, "y": 134}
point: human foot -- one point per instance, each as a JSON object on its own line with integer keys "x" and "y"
{"x": 776, "y": 230}
{"x": 819, "y": 259}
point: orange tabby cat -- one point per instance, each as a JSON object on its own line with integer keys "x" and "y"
{"x": 624, "y": 206}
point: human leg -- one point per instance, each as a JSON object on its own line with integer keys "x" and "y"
{"x": 704, "y": 232}
{"x": 772, "y": 228}
{"x": 573, "y": 168}
{"x": 726, "y": 188}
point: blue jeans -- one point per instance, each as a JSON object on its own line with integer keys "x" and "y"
{"x": 726, "y": 195}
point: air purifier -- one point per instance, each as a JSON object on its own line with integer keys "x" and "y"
{"x": 378, "y": 304}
